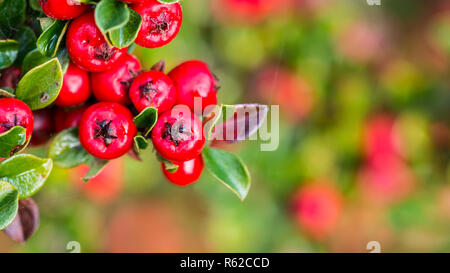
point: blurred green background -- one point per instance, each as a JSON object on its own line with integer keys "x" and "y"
{"x": 364, "y": 104}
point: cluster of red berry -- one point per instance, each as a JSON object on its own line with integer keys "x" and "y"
{"x": 120, "y": 88}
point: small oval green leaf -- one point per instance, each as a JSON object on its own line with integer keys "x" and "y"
{"x": 125, "y": 36}
{"x": 41, "y": 85}
{"x": 9, "y": 204}
{"x": 25, "y": 172}
{"x": 9, "y": 50}
{"x": 228, "y": 169}
{"x": 12, "y": 141}
{"x": 48, "y": 42}
{"x": 111, "y": 15}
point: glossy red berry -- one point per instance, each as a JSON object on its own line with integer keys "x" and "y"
{"x": 65, "y": 119}
{"x": 113, "y": 85}
{"x": 178, "y": 135}
{"x": 14, "y": 112}
{"x": 153, "y": 88}
{"x": 87, "y": 46}
{"x": 10, "y": 77}
{"x": 43, "y": 127}
{"x": 160, "y": 23}
{"x": 76, "y": 87}
{"x": 63, "y": 9}
{"x": 194, "y": 79}
{"x": 107, "y": 130}
{"x": 187, "y": 173}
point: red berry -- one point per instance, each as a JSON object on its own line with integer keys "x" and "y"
{"x": 68, "y": 119}
{"x": 14, "y": 112}
{"x": 62, "y": 9}
{"x": 87, "y": 46}
{"x": 113, "y": 85}
{"x": 43, "y": 126}
{"x": 76, "y": 88}
{"x": 317, "y": 209}
{"x": 107, "y": 130}
{"x": 153, "y": 88}
{"x": 193, "y": 79}
{"x": 178, "y": 136}
{"x": 187, "y": 173}
{"x": 160, "y": 23}
{"x": 132, "y": 1}
{"x": 10, "y": 77}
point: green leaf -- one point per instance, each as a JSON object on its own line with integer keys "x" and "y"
{"x": 140, "y": 143}
{"x": 125, "y": 36}
{"x": 35, "y": 58}
{"x": 97, "y": 165}
{"x": 12, "y": 141}
{"x": 168, "y": 165}
{"x": 6, "y": 93}
{"x": 12, "y": 14}
{"x": 9, "y": 50}
{"x": 66, "y": 150}
{"x": 27, "y": 40}
{"x": 9, "y": 204}
{"x": 34, "y": 4}
{"x": 41, "y": 85}
{"x": 147, "y": 119}
{"x": 45, "y": 22}
{"x": 50, "y": 39}
{"x": 168, "y": 1}
{"x": 111, "y": 15}
{"x": 229, "y": 169}
{"x": 25, "y": 172}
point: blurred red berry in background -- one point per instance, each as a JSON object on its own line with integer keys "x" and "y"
{"x": 317, "y": 208}
{"x": 104, "y": 188}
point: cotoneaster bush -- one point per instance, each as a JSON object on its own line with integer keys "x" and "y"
{"x": 68, "y": 78}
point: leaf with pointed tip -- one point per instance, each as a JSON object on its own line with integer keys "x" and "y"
{"x": 4, "y": 93}
{"x": 35, "y": 58}
{"x": 241, "y": 123}
{"x": 9, "y": 204}
{"x": 125, "y": 36}
{"x": 140, "y": 143}
{"x": 48, "y": 42}
{"x": 41, "y": 85}
{"x": 96, "y": 166}
{"x": 12, "y": 141}
{"x": 229, "y": 170}
{"x": 146, "y": 120}
{"x": 27, "y": 173}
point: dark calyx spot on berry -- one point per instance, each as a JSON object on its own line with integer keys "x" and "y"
{"x": 9, "y": 125}
{"x": 161, "y": 24}
{"x": 104, "y": 131}
{"x": 175, "y": 132}
{"x": 216, "y": 83}
{"x": 127, "y": 83}
{"x": 147, "y": 89}
{"x": 104, "y": 52}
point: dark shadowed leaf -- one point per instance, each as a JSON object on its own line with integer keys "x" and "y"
{"x": 96, "y": 166}
{"x": 27, "y": 40}
{"x": 48, "y": 42}
{"x": 12, "y": 14}
{"x": 9, "y": 50}
{"x": 228, "y": 169}
{"x": 26, "y": 221}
